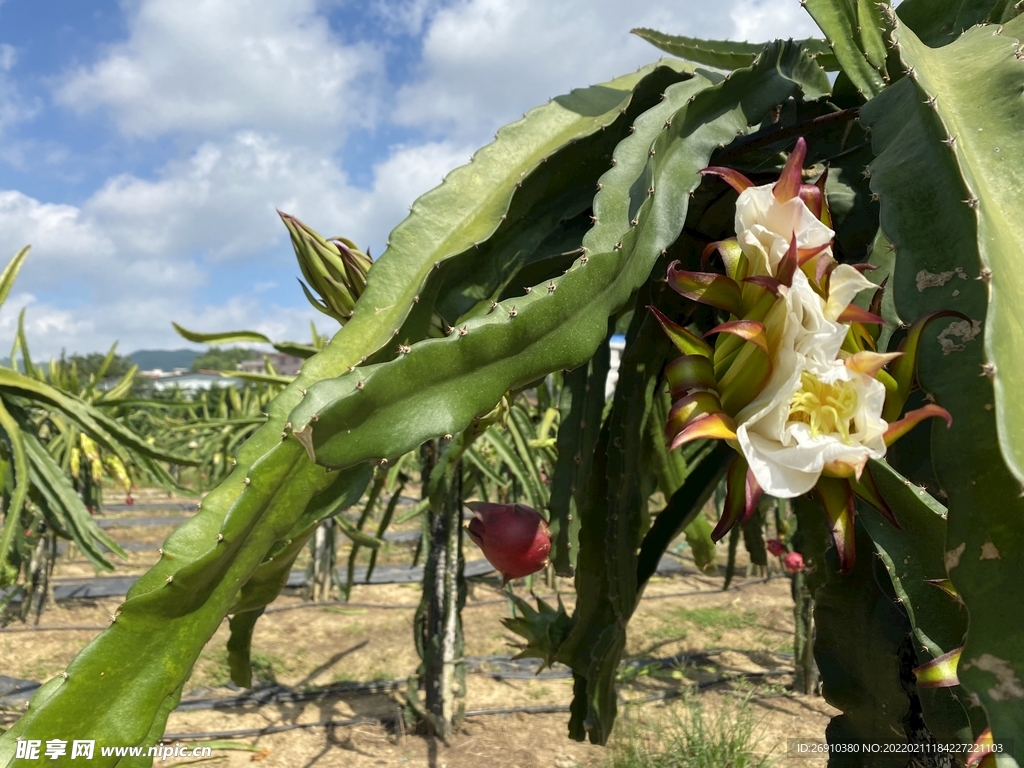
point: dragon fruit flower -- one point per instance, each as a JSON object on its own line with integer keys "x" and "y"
{"x": 513, "y": 537}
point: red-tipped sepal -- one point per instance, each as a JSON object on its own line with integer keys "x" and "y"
{"x": 693, "y": 406}
{"x": 854, "y": 314}
{"x": 714, "y": 426}
{"x": 732, "y": 257}
{"x": 837, "y": 499}
{"x": 748, "y": 330}
{"x": 791, "y": 178}
{"x": 741, "y": 496}
{"x": 688, "y": 373}
{"x": 707, "y": 288}
{"x": 898, "y": 429}
{"x": 940, "y": 672}
{"x": 870, "y": 363}
{"x": 684, "y": 341}
{"x": 732, "y": 177}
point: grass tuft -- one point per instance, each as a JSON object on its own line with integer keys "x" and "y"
{"x": 686, "y": 735}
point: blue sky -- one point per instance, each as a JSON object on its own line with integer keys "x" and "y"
{"x": 145, "y": 144}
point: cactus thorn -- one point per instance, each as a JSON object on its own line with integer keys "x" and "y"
{"x": 519, "y": 185}
{"x": 614, "y": 161}
{"x": 359, "y": 385}
{"x": 909, "y": 71}
{"x": 448, "y": 436}
{"x": 664, "y": 251}
{"x": 351, "y": 368}
{"x": 362, "y": 359}
{"x": 503, "y": 217}
{"x": 494, "y": 305}
{"x": 634, "y": 221}
{"x": 988, "y": 369}
{"x": 248, "y": 480}
{"x": 874, "y": 197}
{"x": 383, "y": 462}
{"x": 529, "y": 288}
{"x": 584, "y": 259}
{"x": 220, "y": 537}
{"x": 931, "y": 101}
{"x": 463, "y": 331}
{"x": 950, "y": 142}
{"x": 551, "y": 287}
{"x": 316, "y": 416}
{"x": 866, "y": 173}
{"x": 668, "y": 123}
{"x": 650, "y": 152}
{"x": 599, "y": 186}
{"x": 985, "y": 275}
{"x": 972, "y": 202}
{"x": 618, "y": 246}
{"x": 170, "y": 578}
{"x": 650, "y": 191}
{"x": 284, "y": 436}
{"x": 593, "y": 219}
{"x": 111, "y": 619}
{"x": 513, "y": 312}
{"x": 160, "y": 550}
{"x": 64, "y": 675}
{"x": 403, "y": 349}
{"x": 632, "y": 128}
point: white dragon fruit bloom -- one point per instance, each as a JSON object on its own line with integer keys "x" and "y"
{"x": 765, "y": 228}
{"x": 814, "y": 412}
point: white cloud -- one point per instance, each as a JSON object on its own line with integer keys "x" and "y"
{"x": 136, "y": 252}
{"x": 486, "y": 61}
{"x": 218, "y": 65}
{"x": 759, "y": 20}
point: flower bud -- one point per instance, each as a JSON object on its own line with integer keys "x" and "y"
{"x": 776, "y": 547}
{"x": 514, "y": 537}
{"x": 793, "y": 562}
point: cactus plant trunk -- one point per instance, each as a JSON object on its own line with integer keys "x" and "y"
{"x": 442, "y": 674}
{"x": 323, "y": 562}
{"x": 805, "y": 676}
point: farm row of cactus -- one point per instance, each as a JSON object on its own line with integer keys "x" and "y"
{"x": 565, "y": 230}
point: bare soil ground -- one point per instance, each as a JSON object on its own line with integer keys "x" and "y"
{"x": 747, "y": 629}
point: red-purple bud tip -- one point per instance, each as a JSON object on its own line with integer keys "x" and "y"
{"x": 776, "y": 547}
{"x": 514, "y": 537}
{"x": 793, "y": 562}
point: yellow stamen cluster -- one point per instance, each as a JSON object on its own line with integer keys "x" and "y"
{"x": 827, "y": 408}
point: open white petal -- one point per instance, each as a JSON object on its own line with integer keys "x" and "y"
{"x": 765, "y": 227}
{"x": 843, "y": 286}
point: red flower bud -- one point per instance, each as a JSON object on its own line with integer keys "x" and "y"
{"x": 514, "y": 537}
{"x": 793, "y": 562}
{"x": 776, "y": 547}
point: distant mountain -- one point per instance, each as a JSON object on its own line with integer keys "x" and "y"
{"x": 164, "y": 359}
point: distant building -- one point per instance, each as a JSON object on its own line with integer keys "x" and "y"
{"x": 285, "y": 365}
{"x": 191, "y": 383}
{"x": 159, "y": 373}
